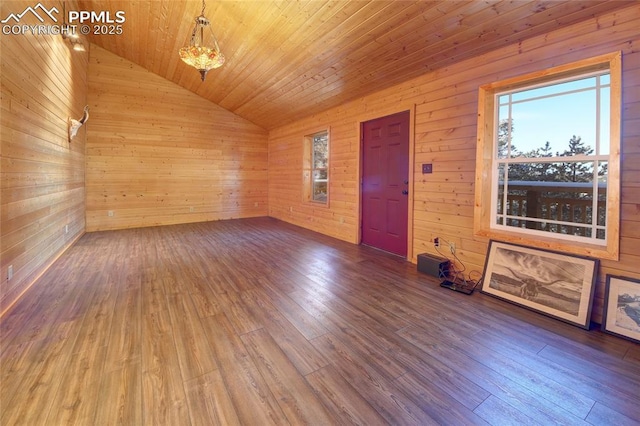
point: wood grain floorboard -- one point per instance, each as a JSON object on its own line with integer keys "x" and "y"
{"x": 534, "y": 381}
{"x": 163, "y": 396}
{"x": 153, "y": 293}
{"x": 209, "y": 402}
{"x": 530, "y": 402}
{"x": 308, "y": 326}
{"x": 442, "y": 376}
{"x": 376, "y": 350}
{"x": 125, "y": 338}
{"x": 205, "y": 305}
{"x": 192, "y": 346}
{"x": 254, "y": 402}
{"x": 497, "y": 412}
{"x": 299, "y": 350}
{"x": 436, "y": 402}
{"x": 120, "y": 401}
{"x": 603, "y": 415}
{"x": 633, "y": 355}
{"x": 342, "y": 399}
{"x": 259, "y": 322}
{"x": 79, "y": 388}
{"x": 29, "y": 395}
{"x": 591, "y": 367}
{"x": 586, "y": 390}
{"x": 287, "y": 385}
{"x": 382, "y": 394}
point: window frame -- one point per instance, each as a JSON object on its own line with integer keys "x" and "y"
{"x": 485, "y": 173}
{"x": 309, "y": 168}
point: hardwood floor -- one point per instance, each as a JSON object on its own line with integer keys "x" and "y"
{"x": 258, "y": 322}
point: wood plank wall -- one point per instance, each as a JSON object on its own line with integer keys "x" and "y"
{"x": 445, "y": 135}
{"x": 158, "y": 154}
{"x": 44, "y": 82}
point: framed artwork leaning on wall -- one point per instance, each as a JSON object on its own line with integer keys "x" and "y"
{"x": 621, "y": 314}
{"x": 555, "y": 284}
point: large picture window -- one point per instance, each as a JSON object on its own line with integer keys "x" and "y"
{"x": 552, "y": 150}
{"x": 549, "y": 158}
{"x": 316, "y": 167}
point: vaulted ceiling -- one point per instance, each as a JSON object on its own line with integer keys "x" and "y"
{"x": 290, "y": 59}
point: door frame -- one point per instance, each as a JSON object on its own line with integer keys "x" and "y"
{"x": 360, "y": 123}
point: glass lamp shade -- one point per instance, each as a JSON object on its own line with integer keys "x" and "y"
{"x": 199, "y": 54}
{"x": 78, "y": 46}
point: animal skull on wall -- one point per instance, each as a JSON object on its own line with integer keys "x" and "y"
{"x": 74, "y": 124}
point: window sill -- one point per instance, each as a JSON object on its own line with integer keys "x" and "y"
{"x": 597, "y": 251}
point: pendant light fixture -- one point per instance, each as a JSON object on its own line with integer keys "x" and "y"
{"x": 69, "y": 33}
{"x": 203, "y": 52}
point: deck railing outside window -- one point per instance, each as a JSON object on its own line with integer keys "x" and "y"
{"x": 558, "y": 207}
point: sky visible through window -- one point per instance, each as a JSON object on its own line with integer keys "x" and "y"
{"x": 538, "y": 119}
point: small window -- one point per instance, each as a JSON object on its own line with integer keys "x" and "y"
{"x": 548, "y": 159}
{"x": 316, "y": 167}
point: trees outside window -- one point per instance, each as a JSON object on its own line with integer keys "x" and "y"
{"x": 316, "y": 167}
{"x": 320, "y": 170}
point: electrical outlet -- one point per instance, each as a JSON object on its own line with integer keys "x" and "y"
{"x": 191, "y": 209}
{"x": 10, "y": 272}
{"x": 436, "y": 242}
{"x": 110, "y": 213}
{"x": 452, "y": 247}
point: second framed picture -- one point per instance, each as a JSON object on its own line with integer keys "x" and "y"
{"x": 622, "y": 307}
{"x": 556, "y": 284}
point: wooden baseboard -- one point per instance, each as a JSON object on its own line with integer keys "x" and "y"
{"x": 45, "y": 269}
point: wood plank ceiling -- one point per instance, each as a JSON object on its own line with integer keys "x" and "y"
{"x": 290, "y": 59}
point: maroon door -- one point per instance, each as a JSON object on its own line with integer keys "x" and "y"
{"x": 385, "y": 179}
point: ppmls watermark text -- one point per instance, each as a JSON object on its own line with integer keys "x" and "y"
{"x": 39, "y": 29}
